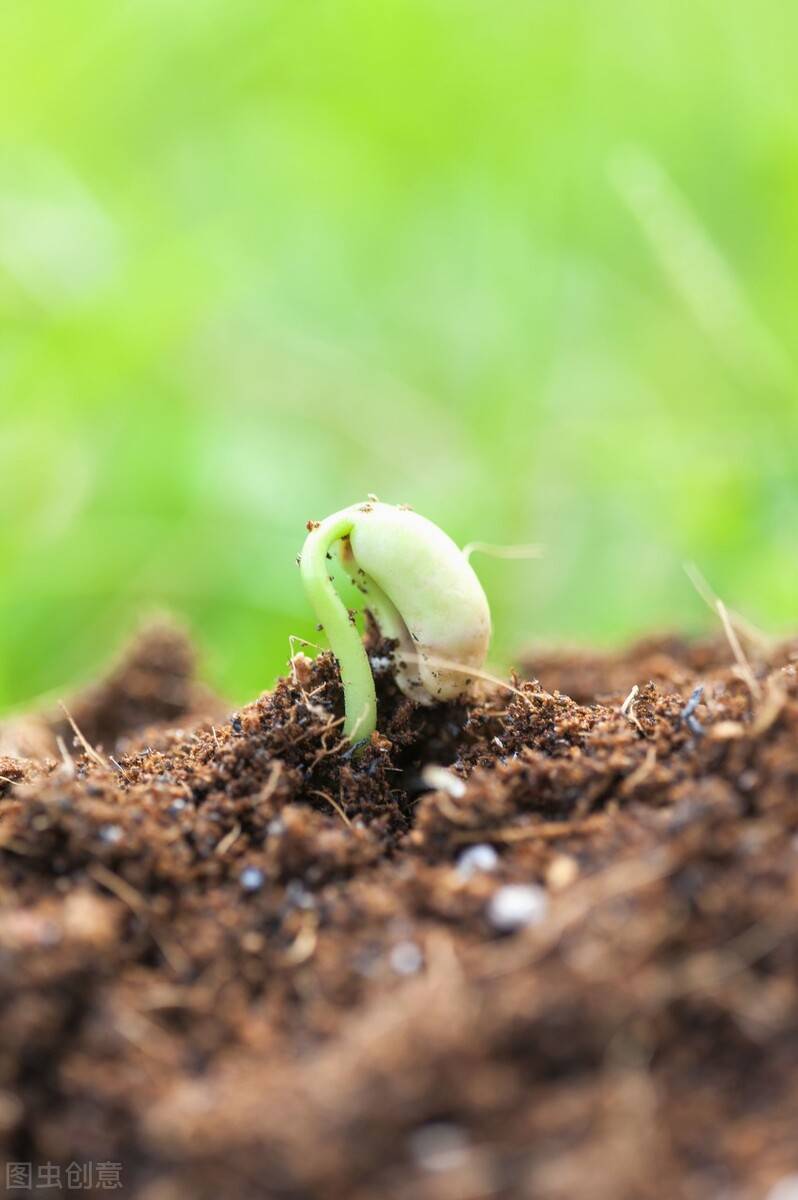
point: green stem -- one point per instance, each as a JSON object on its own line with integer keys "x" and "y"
{"x": 360, "y": 697}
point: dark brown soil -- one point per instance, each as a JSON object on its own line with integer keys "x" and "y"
{"x": 240, "y": 961}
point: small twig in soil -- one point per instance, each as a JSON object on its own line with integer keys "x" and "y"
{"x": 229, "y": 839}
{"x": 87, "y": 747}
{"x": 68, "y": 760}
{"x": 771, "y": 710}
{"x": 310, "y": 732}
{"x": 640, "y": 773}
{"x": 124, "y": 891}
{"x": 743, "y": 664}
{"x": 304, "y": 944}
{"x": 702, "y": 587}
{"x": 271, "y": 783}
{"x": 545, "y": 830}
{"x": 119, "y": 768}
{"x": 629, "y": 709}
{"x": 120, "y": 887}
{"x": 341, "y": 744}
{"x": 731, "y": 622}
{"x": 144, "y": 1034}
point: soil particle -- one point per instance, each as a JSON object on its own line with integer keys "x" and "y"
{"x": 542, "y": 944}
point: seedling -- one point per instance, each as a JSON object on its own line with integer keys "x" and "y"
{"x": 419, "y": 589}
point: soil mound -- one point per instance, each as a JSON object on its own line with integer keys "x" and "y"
{"x": 544, "y": 944}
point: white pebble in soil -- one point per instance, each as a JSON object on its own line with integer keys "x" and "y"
{"x": 251, "y": 879}
{"x": 441, "y": 780}
{"x": 439, "y": 1146}
{"x": 406, "y": 958}
{"x": 481, "y": 857}
{"x": 297, "y": 895}
{"x": 111, "y": 834}
{"x": 785, "y": 1188}
{"x": 517, "y": 905}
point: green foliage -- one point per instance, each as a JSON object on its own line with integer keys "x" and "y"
{"x": 529, "y": 267}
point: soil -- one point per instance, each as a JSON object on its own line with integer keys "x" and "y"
{"x": 540, "y": 945}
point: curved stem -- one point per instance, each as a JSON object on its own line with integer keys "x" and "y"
{"x": 360, "y": 697}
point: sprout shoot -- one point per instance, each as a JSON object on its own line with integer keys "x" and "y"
{"x": 420, "y": 591}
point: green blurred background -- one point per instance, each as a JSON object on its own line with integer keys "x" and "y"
{"x": 529, "y": 267}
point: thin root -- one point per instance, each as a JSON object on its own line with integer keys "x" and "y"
{"x": 334, "y": 804}
{"x": 521, "y": 551}
{"x": 449, "y": 664}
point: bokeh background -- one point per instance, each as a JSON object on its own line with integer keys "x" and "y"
{"x": 529, "y": 266}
